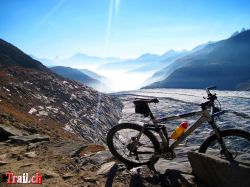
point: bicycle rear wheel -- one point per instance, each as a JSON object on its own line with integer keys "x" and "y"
{"x": 121, "y": 142}
{"x": 237, "y": 142}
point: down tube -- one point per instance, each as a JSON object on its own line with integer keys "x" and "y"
{"x": 189, "y": 131}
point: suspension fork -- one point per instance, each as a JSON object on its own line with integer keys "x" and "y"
{"x": 220, "y": 140}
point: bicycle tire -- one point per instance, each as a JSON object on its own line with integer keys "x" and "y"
{"x": 241, "y": 141}
{"x": 130, "y": 126}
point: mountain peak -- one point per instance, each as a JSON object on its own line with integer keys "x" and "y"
{"x": 237, "y": 32}
{"x": 169, "y": 53}
{"x": 80, "y": 55}
{"x": 147, "y": 57}
{"x": 12, "y": 56}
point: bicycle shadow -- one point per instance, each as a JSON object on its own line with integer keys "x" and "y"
{"x": 171, "y": 178}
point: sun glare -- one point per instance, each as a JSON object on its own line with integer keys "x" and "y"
{"x": 119, "y": 80}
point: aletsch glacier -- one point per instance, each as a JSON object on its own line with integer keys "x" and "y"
{"x": 179, "y": 101}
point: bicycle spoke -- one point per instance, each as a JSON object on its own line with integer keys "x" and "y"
{"x": 124, "y": 138}
{"x": 238, "y": 147}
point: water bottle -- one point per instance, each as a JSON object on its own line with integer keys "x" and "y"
{"x": 179, "y": 130}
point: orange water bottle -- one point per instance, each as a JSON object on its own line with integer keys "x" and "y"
{"x": 179, "y": 130}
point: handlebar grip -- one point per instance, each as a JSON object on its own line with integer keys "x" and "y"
{"x": 210, "y": 88}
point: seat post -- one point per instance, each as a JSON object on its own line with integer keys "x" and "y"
{"x": 151, "y": 115}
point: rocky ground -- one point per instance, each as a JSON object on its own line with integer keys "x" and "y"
{"x": 60, "y": 163}
{"x": 74, "y": 163}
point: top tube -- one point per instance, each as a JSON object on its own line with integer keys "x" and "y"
{"x": 218, "y": 113}
{"x": 170, "y": 118}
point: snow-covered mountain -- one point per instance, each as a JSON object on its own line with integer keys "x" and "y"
{"x": 225, "y": 63}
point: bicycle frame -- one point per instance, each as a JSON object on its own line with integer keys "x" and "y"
{"x": 204, "y": 117}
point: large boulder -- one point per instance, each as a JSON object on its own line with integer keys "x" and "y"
{"x": 29, "y": 138}
{"x": 212, "y": 171}
{"x": 7, "y": 130}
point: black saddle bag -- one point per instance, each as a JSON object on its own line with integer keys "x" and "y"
{"x": 142, "y": 108}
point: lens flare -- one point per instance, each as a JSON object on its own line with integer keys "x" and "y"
{"x": 107, "y": 42}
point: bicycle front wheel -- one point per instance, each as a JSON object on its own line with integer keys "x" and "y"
{"x": 123, "y": 143}
{"x": 236, "y": 141}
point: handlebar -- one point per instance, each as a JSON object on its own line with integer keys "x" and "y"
{"x": 210, "y": 97}
{"x": 210, "y": 88}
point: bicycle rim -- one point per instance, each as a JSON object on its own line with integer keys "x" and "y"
{"x": 237, "y": 145}
{"x": 126, "y": 148}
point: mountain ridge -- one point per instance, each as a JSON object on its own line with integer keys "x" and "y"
{"x": 86, "y": 77}
{"x": 230, "y": 56}
{"x": 74, "y": 74}
{"x": 12, "y": 56}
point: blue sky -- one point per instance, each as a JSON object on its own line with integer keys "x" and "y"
{"x": 123, "y": 28}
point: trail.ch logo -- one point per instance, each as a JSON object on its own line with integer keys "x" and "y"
{"x": 11, "y": 178}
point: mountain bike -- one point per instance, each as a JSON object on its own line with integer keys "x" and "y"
{"x": 136, "y": 145}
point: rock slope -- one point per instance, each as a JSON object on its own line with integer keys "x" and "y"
{"x": 33, "y": 97}
{"x": 41, "y": 99}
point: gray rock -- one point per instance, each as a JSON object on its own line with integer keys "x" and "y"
{"x": 105, "y": 168}
{"x": 47, "y": 174}
{"x": 3, "y": 162}
{"x": 67, "y": 176}
{"x": 35, "y": 145}
{"x": 212, "y": 171}
{"x": 3, "y": 156}
{"x": 71, "y": 149}
{"x": 97, "y": 159}
{"x": 77, "y": 151}
{"x": 30, "y": 154}
{"x": 26, "y": 165}
{"x": 30, "y": 138}
{"x": 163, "y": 164}
{"x": 90, "y": 179}
{"x": 6, "y": 131}
{"x": 102, "y": 157}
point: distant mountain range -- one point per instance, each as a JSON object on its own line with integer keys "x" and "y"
{"x": 173, "y": 69}
{"x": 74, "y": 74}
{"x": 127, "y": 65}
{"x": 162, "y": 61}
{"x": 84, "y": 76}
{"x": 145, "y": 62}
{"x": 225, "y": 63}
{"x": 93, "y": 75}
{"x": 79, "y": 60}
{"x": 170, "y": 67}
